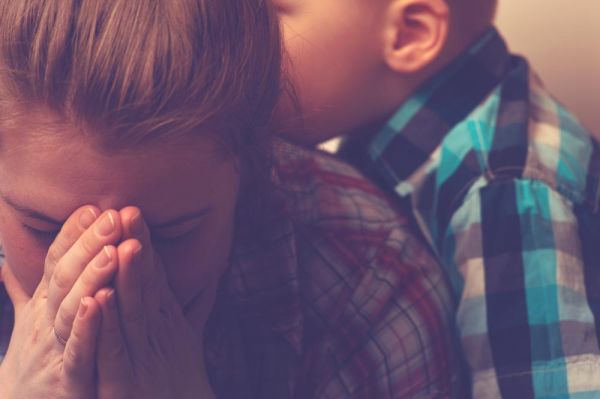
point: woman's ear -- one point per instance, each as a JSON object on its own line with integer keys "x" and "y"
{"x": 415, "y": 33}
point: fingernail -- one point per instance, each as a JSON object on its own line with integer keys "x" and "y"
{"x": 110, "y": 298}
{"x": 135, "y": 252}
{"x": 106, "y": 225}
{"x": 136, "y": 226}
{"x": 87, "y": 218}
{"x": 83, "y": 307}
{"x": 106, "y": 258}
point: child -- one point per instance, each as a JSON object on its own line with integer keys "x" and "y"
{"x": 502, "y": 180}
{"x": 144, "y": 208}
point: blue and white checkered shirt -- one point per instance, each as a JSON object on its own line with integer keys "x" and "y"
{"x": 504, "y": 184}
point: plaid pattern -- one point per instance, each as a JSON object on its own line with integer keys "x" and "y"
{"x": 330, "y": 296}
{"x": 6, "y": 315}
{"x": 504, "y": 184}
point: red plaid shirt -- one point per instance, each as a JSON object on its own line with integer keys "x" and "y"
{"x": 330, "y": 296}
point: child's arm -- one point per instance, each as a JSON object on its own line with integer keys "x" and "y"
{"x": 524, "y": 317}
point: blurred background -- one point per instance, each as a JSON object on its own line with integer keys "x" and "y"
{"x": 561, "y": 38}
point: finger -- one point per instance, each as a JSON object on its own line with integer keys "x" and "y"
{"x": 106, "y": 230}
{"x": 98, "y": 273}
{"x": 128, "y": 284}
{"x": 134, "y": 226}
{"x": 197, "y": 312}
{"x": 18, "y": 296}
{"x": 159, "y": 301}
{"x": 79, "y": 357}
{"x": 113, "y": 361}
{"x": 154, "y": 281}
{"x": 76, "y": 224}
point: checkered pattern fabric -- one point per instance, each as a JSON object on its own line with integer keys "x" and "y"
{"x": 504, "y": 184}
{"x": 330, "y": 296}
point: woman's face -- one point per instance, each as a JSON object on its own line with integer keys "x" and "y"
{"x": 187, "y": 193}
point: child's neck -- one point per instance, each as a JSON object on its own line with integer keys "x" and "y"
{"x": 458, "y": 43}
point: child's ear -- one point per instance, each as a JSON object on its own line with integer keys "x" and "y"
{"x": 415, "y": 33}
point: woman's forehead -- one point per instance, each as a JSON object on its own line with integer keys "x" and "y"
{"x": 66, "y": 171}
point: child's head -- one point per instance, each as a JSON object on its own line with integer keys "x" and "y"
{"x": 152, "y": 103}
{"x": 354, "y": 61}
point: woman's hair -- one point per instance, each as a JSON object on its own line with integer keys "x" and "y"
{"x": 134, "y": 70}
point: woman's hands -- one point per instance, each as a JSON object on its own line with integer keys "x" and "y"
{"x": 147, "y": 347}
{"x": 103, "y": 322}
{"x": 53, "y": 346}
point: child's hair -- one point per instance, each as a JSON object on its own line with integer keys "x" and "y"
{"x": 473, "y": 15}
{"x": 134, "y": 70}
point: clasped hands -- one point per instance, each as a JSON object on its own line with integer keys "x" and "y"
{"x": 103, "y": 322}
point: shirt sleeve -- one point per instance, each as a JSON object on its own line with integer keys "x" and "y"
{"x": 391, "y": 337}
{"x": 524, "y": 319}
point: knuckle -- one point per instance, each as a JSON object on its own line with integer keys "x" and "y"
{"x": 72, "y": 359}
{"x": 53, "y": 256}
{"x": 65, "y": 318}
{"x": 88, "y": 244}
{"x": 77, "y": 336}
{"x": 61, "y": 279}
{"x": 89, "y": 278}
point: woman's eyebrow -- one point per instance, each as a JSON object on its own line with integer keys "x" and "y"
{"x": 29, "y": 212}
{"x": 181, "y": 219}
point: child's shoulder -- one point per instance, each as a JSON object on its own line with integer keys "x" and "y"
{"x": 561, "y": 151}
{"x": 534, "y": 138}
{"x": 318, "y": 187}
{"x": 338, "y": 213}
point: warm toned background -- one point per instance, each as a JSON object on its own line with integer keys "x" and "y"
{"x": 562, "y": 40}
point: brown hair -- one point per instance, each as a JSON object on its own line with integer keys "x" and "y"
{"x": 139, "y": 69}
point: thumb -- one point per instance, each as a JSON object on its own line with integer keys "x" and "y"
{"x": 15, "y": 291}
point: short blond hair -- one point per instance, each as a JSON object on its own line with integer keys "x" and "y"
{"x": 138, "y": 69}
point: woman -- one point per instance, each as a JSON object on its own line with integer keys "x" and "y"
{"x": 159, "y": 244}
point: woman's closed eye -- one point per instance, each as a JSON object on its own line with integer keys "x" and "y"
{"x": 174, "y": 233}
{"x": 41, "y": 232}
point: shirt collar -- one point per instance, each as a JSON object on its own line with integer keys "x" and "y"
{"x": 420, "y": 124}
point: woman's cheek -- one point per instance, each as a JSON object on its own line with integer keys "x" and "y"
{"x": 194, "y": 265}
{"x": 25, "y": 256}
